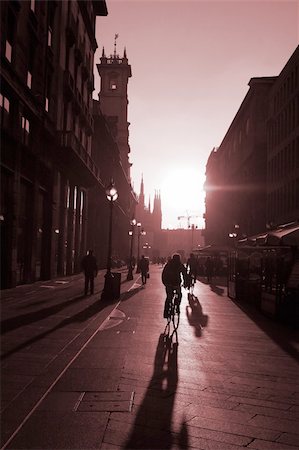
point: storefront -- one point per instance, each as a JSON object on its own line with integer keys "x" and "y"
{"x": 264, "y": 270}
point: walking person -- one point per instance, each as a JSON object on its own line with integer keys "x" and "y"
{"x": 191, "y": 267}
{"x": 90, "y": 269}
{"x": 144, "y": 268}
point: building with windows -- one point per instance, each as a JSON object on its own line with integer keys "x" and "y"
{"x": 283, "y": 146}
{"x": 47, "y": 167}
{"x": 110, "y": 151}
{"x": 252, "y": 178}
{"x": 235, "y": 185}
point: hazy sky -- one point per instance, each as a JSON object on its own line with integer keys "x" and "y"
{"x": 191, "y": 63}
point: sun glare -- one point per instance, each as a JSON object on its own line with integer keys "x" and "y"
{"x": 183, "y": 195}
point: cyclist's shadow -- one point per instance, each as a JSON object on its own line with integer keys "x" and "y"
{"x": 152, "y": 427}
{"x": 195, "y": 315}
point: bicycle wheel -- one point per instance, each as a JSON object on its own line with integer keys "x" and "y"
{"x": 175, "y": 311}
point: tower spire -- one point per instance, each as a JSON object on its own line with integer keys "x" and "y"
{"x": 142, "y": 186}
{"x": 115, "y": 37}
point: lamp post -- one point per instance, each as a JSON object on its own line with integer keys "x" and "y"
{"x": 131, "y": 233}
{"x": 234, "y": 235}
{"x": 112, "y": 195}
{"x": 143, "y": 233}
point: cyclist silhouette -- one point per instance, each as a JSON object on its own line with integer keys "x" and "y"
{"x": 172, "y": 275}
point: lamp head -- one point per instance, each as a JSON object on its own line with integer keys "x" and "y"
{"x": 111, "y": 192}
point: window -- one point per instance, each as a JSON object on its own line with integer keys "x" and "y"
{"x": 25, "y": 130}
{"x": 5, "y": 107}
{"x": 48, "y": 94}
{"x": 8, "y": 50}
{"x": 50, "y": 32}
{"x": 113, "y": 85}
{"x": 30, "y": 64}
{"x": 11, "y": 22}
{"x": 51, "y": 13}
{"x": 29, "y": 79}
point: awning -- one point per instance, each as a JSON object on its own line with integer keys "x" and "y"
{"x": 284, "y": 236}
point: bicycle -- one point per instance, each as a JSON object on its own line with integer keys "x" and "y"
{"x": 174, "y": 308}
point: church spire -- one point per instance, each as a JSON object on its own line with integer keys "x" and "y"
{"x": 115, "y": 37}
{"x": 142, "y": 186}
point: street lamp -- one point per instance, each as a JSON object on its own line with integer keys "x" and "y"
{"x": 143, "y": 233}
{"x": 112, "y": 195}
{"x": 131, "y": 233}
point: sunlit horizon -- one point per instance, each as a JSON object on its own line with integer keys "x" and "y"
{"x": 190, "y": 74}
{"x": 182, "y": 195}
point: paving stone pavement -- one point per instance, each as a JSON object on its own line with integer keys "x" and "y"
{"x": 228, "y": 379}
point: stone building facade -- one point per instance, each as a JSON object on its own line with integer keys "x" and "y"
{"x": 236, "y": 190}
{"x": 110, "y": 151}
{"x": 47, "y": 53}
{"x": 283, "y": 146}
{"x": 252, "y": 179}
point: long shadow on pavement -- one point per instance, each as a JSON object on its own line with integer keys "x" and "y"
{"x": 152, "y": 426}
{"x": 283, "y": 336}
{"x": 81, "y": 316}
{"x": 127, "y": 295}
{"x": 195, "y": 315}
{"x": 28, "y": 318}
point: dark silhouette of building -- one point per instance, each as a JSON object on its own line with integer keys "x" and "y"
{"x": 151, "y": 222}
{"x": 115, "y": 72}
{"x": 283, "y": 146}
{"x": 252, "y": 179}
{"x": 110, "y": 151}
{"x": 236, "y": 172}
{"x": 151, "y": 219}
{"x": 47, "y": 52}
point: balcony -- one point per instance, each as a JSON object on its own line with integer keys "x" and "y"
{"x": 77, "y": 159}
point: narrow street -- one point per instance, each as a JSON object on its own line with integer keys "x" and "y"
{"x": 79, "y": 373}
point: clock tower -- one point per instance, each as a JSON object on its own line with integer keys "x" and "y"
{"x": 115, "y": 72}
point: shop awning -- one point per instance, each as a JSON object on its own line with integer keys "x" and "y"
{"x": 284, "y": 236}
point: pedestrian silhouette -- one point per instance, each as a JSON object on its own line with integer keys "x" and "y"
{"x": 144, "y": 268}
{"x": 90, "y": 269}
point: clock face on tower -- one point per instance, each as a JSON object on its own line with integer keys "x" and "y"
{"x": 113, "y": 78}
{"x": 113, "y": 85}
